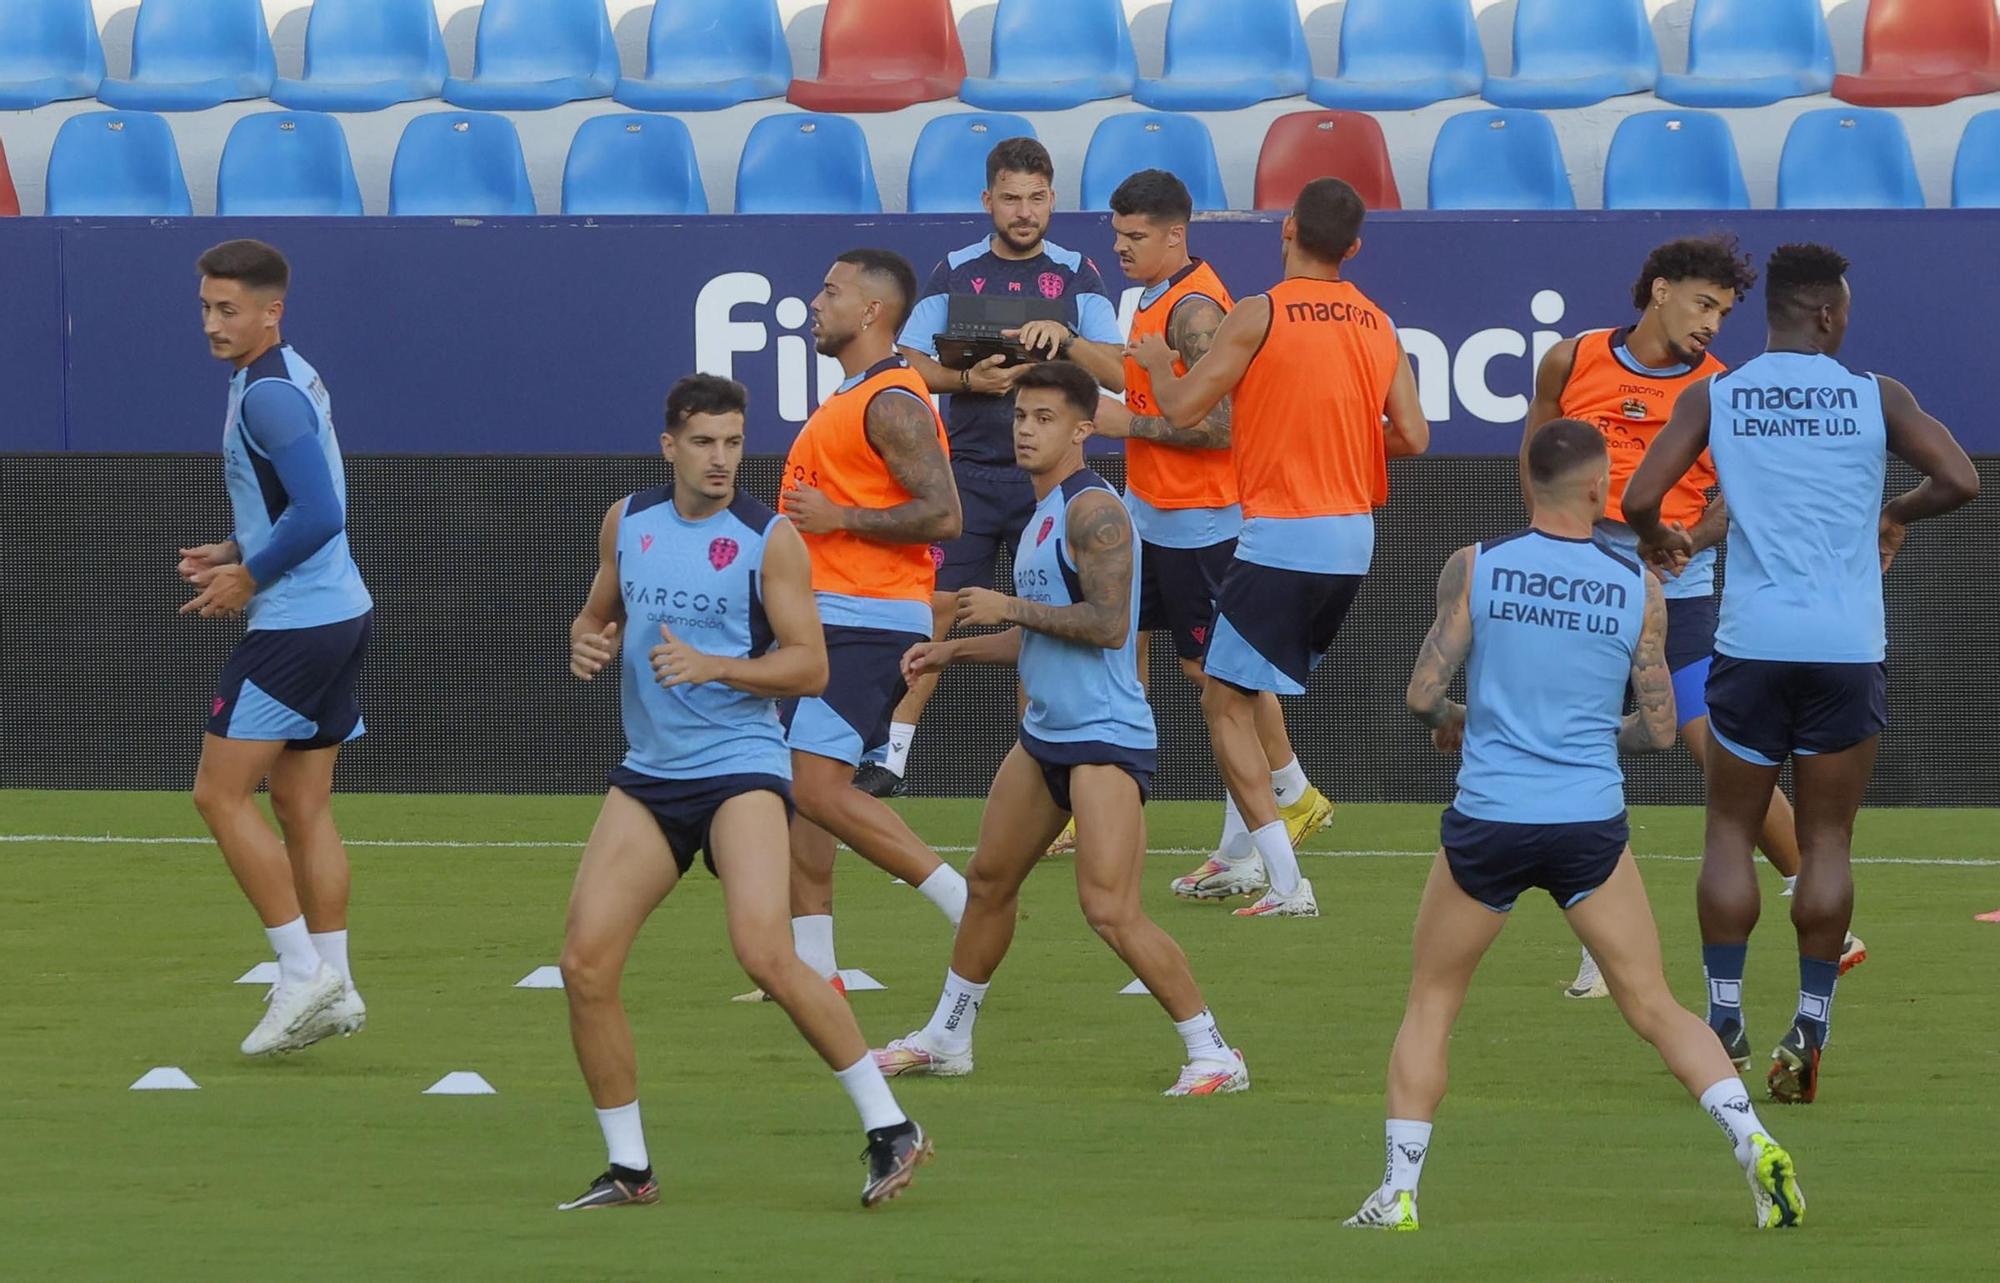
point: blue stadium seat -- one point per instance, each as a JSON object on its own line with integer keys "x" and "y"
{"x": 1226, "y": 54}
{"x": 948, "y": 168}
{"x": 531, "y": 54}
{"x": 460, "y": 162}
{"x": 1568, "y": 54}
{"x": 1673, "y": 160}
{"x": 1396, "y": 55}
{"x": 1848, "y": 158}
{"x": 1053, "y": 54}
{"x": 189, "y": 55}
{"x": 116, "y": 162}
{"x": 287, "y": 162}
{"x": 49, "y": 52}
{"x": 1123, "y": 145}
{"x": 804, "y": 162}
{"x": 1975, "y": 175}
{"x": 702, "y": 55}
{"x": 363, "y": 55}
{"x": 1751, "y": 53}
{"x": 1499, "y": 160}
{"x": 633, "y": 164}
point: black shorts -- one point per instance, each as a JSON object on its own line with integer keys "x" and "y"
{"x": 685, "y": 809}
{"x": 294, "y": 684}
{"x": 997, "y": 502}
{"x": 864, "y": 683}
{"x": 1765, "y": 710}
{"x": 1690, "y": 631}
{"x": 1494, "y": 862}
{"x": 1057, "y": 760}
{"x": 1272, "y": 626}
{"x": 1177, "y": 591}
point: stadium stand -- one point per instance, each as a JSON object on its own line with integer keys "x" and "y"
{"x": 363, "y": 55}
{"x": 1052, "y": 54}
{"x": 702, "y": 55}
{"x": 1751, "y": 53}
{"x": 460, "y": 162}
{"x": 1918, "y": 53}
{"x": 1505, "y": 159}
{"x": 1848, "y": 158}
{"x": 1674, "y": 160}
{"x": 117, "y": 162}
{"x": 1975, "y": 172}
{"x": 191, "y": 54}
{"x": 1125, "y": 144}
{"x": 1572, "y": 55}
{"x": 948, "y": 168}
{"x": 883, "y": 55}
{"x": 10, "y": 203}
{"x": 1226, "y": 54}
{"x": 49, "y": 52}
{"x": 633, "y": 164}
{"x": 1318, "y": 144}
{"x": 287, "y": 162}
{"x": 1396, "y": 55}
{"x": 806, "y": 163}
{"x": 539, "y": 53}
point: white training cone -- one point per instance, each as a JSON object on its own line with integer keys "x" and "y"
{"x": 541, "y": 978}
{"x": 460, "y": 1082}
{"x": 165, "y": 1078}
{"x": 859, "y": 981}
{"x": 1137, "y": 986}
{"x": 264, "y": 973}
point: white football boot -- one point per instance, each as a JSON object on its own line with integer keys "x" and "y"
{"x": 294, "y": 1011}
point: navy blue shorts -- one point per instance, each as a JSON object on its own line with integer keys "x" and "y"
{"x": 1272, "y": 626}
{"x": 685, "y": 809}
{"x": 864, "y": 683}
{"x": 1494, "y": 862}
{"x": 1690, "y": 644}
{"x": 1057, "y": 760}
{"x": 293, "y": 684}
{"x": 997, "y": 501}
{"x": 1765, "y": 710}
{"x": 1177, "y": 591}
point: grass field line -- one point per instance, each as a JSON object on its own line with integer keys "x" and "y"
{"x": 113, "y": 839}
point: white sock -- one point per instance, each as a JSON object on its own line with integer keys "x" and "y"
{"x": 624, "y": 1138}
{"x": 1280, "y": 865}
{"x": 294, "y": 946}
{"x": 869, "y": 1091}
{"x": 812, "y": 940}
{"x": 1234, "y": 848}
{"x": 332, "y": 946}
{"x": 950, "y": 1027}
{"x": 1408, "y": 1141}
{"x": 1729, "y": 1105}
{"x": 1203, "y": 1040}
{"x": 1289, "y": 783}
{"x": 946, "y": 889}
{"x": 1790, "y": 883}
{"x": 898, "y": 755}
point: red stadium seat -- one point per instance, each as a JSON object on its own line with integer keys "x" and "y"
{"x": 883, "y": 55}
{"x": 1325, "y": 144}
{"x": 1918, "y": 53}
{"x": 10, "y": 204}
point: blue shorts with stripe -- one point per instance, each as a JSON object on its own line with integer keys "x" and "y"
{"x": 685, "y": 809}
{"x": 294, "y": 684}
{"x": 1766, "y": 710}
{"x": 1273, "y": 626}
{"x": 1690, "y": 646}
{"x": 1494, "y": 861}
{"x": 864, "y": 683}
{"x": 1058, "y": 758}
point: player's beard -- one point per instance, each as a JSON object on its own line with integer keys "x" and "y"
{"x": 830, "y": 344}
{"x": 1014, "y": 237}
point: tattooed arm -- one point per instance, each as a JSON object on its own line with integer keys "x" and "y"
{"x": 904, "y": 431}
{"x": 1445, "y": 648}
{"x": 1650, "y": 728}
{"x": 1099, "y": 537}
{"x": 1190, "y": 332}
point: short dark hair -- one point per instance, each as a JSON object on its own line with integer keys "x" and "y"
{"x": 1802, "y": 278}
{"x": 1075, "y": 383}
{"x": 887, "y": 265}
{"x": 1018, "y": 156}
{"x": 1155, "y": 194}
{"x": 704, "y": 394}
{"x": 1560, "y": 447}
{"x": 1716, "y": 259}
{"x": 257, "y": 265}
{"x": 1326, "y": 219}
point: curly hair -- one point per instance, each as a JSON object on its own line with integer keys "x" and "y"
{"x": 1717, "y": 259}
{"x": 1802, "y": 277}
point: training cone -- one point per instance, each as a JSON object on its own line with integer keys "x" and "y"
{"x": 541, "y": 978}
{"x": 165, "y": 1078}
{"x": 264, "y": 973}
{"x": 859, "y": 981}
{"x": 1137, "y": 986}
{"x": 461, "y": 1082}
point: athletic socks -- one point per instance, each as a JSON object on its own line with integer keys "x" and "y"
{"x": 332, "y": 947}
{"x": 1724, "y": 965}
{"x": 624, "y": 1138}
{"x": 812, "y": 940}
{"x": 1203, "y": 1040}
{"x": 1729, "y": 1105}
{"x": 869, "y": 1091}
{"x": 1289, "y": 783}
{"x": 1235, "y": 847}
{"x": 945, "y": 888}
{"x": 950, "y": 1027}
{"x": 897, "y": 756}
{"x": 1280, "y": 865}
{"x": 1790, "y": 883}
{"x": 297, "y": 958}
{"x": 1816, "y": 981}
{"x": 1407, "y": 1141}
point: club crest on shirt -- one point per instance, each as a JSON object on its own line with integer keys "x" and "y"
{"x": 721, "y": 551}
{"x": 1634, "y": 408}
{"x": 937, "y": 556}
{"x": 1051, "y": 284}
{"x": 1048, "y": 524}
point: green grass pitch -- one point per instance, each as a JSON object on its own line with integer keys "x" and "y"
{"x": 1563, "y": 1152}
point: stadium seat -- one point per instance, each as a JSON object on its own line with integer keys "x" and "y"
{"x": 702, "y": 55}
{"x": 189, "y": 55}
{"x": 1226, "y": 54}
{"x": 1848, "y": 158}
{"x": 1499, "y": 160}
{"x": 460, "y": 162}
{"x": 49, "y": 52}
{"x": 531, "y": 54}
{"x": 1396, "y": 55}
{"x": 1673, "y": 160}
{"x": 1053, "y": 54}
{"x": 1325, "y": 144}
{"x": 632, "y": 164}
{"x": 1919, "y": 53}
{"x": 116, "y": 162}
{"x": 287, "y": 162}
{"x": 1751, "y": 53}
{"x": 1125, "y": 144}
{"x": 10, "y": 201}
{"x": 882, "y": 55}
{"x": 364, "y": 55}
{"x": 805, "y": 163}
{"x": 1568, "y": 54}
{"x": 948, "y": 168}
{"x": 1975, "y": 175}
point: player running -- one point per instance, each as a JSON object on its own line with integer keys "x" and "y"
{"x": 1550, "y": 625}
{"x": 286, "y": 700}
{"x": 1799, "y": 443}
{"x": 1321, "y": 395}
{"x": 703, "y": 598}
{"x": 1180, "y": 487}
{"x": 1087, "y": 744}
